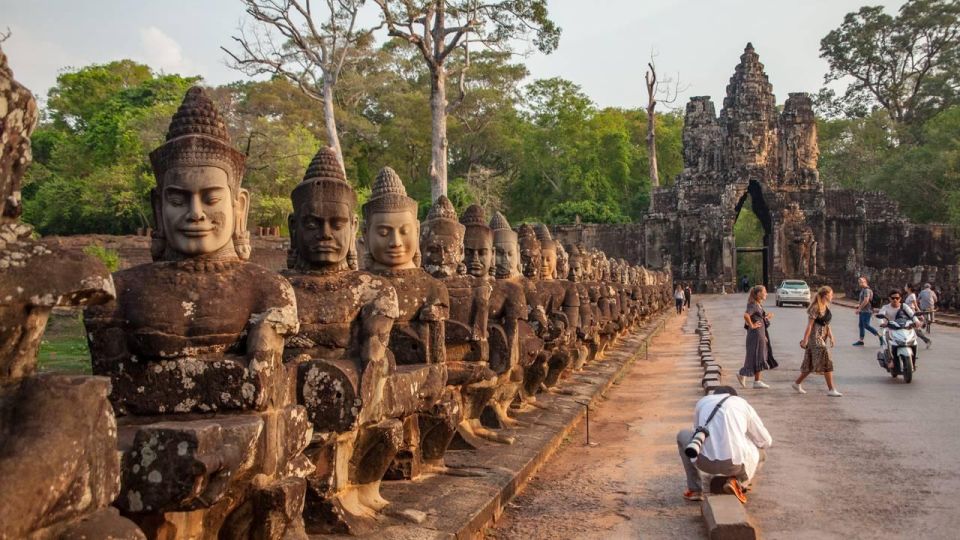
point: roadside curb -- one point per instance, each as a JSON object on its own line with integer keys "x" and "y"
{"x": 491, "y": 476}
{"x": 725, "y": 517}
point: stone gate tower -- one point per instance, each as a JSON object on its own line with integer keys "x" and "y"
{"x": 823, "y": 235}
{"x": 750, "y": 149}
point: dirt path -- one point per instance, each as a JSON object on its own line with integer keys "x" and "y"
{"x": 630, "y": 484}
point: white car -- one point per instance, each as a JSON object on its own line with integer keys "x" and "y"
{"x": 793, "y": 291}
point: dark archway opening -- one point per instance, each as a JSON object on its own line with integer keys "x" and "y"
{"x": 752, "y": 231}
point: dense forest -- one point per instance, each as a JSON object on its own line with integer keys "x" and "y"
{"x": 540, "y": 150}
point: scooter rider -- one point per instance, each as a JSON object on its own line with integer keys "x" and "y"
{"x": 897, "y": 311}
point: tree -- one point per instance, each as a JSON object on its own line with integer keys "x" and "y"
{"x": 909, "y": 64}
{"x": 655, "y": 88}
{"x": 91, "y": 172}
{"x": 315, "y": 49}
{"x": 426, "y": 24}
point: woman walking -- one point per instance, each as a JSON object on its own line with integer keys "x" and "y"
{"x": 759, "y": 353}
{"x": 817, "y": 342}
{"x": 678, "y": 298}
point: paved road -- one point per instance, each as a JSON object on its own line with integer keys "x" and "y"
{"x": 883, "y": 461}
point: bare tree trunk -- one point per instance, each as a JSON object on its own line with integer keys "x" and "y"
{"x": 651, "y": 80}
{"x": 330, "y": 120}
{"x": 438, "y": 114}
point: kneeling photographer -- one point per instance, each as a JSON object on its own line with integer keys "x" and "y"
{"x": 728, "y": 441}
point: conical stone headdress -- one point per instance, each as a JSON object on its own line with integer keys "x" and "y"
{"x": 475, "y": 220}
{"x": 442, "y": 219}
{"x": 501, "y": 228}
{"x": 544, "y": 236}
{"x": 388, "y": 195}
{"x": 325, "y": 180}
{"x": 197, "y": 136}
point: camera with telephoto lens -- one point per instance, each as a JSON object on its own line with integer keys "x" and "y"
{"x": 692, "y": 450}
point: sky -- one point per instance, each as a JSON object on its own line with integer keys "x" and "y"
{"x": 604, "y": 47}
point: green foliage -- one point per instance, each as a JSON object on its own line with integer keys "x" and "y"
{"x": 748, "y": 232}
{"x": 908, "y": 64}
{"x": 91, "y": 172}
{"x": 543, "y": 152}
{"x": 923, "y": 176}
{"x": 109, "y": 257}
{"x": 588, "y": 211}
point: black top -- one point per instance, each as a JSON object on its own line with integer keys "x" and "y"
{"x": 824, "y": 319}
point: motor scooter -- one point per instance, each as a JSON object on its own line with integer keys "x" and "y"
{"x": 899, "y": 348}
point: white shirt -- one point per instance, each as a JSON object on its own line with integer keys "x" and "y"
{"x": 736, "y": 432}
{"x": 890, "y": 313}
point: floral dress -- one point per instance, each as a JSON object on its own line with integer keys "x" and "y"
{"x": 817, "y": 358}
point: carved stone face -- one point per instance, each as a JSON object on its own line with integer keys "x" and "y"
{"x": 198, "y": 211}
{"x": 576, "y": 268}
{"x": 442, "y": 254}
{"x": 548, "y": 263}
{"x": 323, "y": 232}
{"x": 563, "y": 263}
{"x": 531, "y": 259}
{"x": 393, "y": 239}
{"x": 507, "y": 257}
{"x": 478, "y": 254}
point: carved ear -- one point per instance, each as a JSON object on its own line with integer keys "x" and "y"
{"x": 292, "y": 227}
{"x": 158, "y": 242}
{"x": 156, "y": 203}
{"x": 241, "y": 210}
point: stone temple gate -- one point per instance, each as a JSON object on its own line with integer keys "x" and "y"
{"x": 810, "y": 232}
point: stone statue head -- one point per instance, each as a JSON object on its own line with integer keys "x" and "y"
{"x": 583, "y": 259}
{"x": 548, "y": 251}
{"x": 323, "y": 225}
{"x": 478, "y": 253}
{"x": 506, "y": 248}
{"x": 198, "y": 204}
{"x": 563, "y": 262}
{"x": 441, "y": 240}
{"x": 531, "y": 256}
{"x": 391, "y": 231}
{"x": 577, "y": 261}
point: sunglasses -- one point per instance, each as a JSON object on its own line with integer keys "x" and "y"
{"x": 894, "y": 297}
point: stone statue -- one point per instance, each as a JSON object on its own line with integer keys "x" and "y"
{"x": 339, "y": 357}
{"x": 808, "y": 252}
{"x": 588, "y": 334}
{"x": 391, "y": 234}
{"x": 467, "y": 345}
{"x": 58, "y": 436}
{"x": 564, "y": 298}
{"x": 531, "y": 332}
{"x": 507, "y": 312}
{"x": 200, "y": 330}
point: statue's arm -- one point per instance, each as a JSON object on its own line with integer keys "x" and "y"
{"x": 377, "y": 317}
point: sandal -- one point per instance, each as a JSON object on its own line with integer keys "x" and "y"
{"x": 732, "y": 487}
{"x": 691, "y": 495}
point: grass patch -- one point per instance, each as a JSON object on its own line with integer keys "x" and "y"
{"x": 64, "y": 346}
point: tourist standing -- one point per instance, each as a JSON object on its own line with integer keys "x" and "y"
{"x": 759, "y": 355}
{"x": 914, "y": 304}
{"x": 927, "y": 299}
{"x": 865, "y": 311}
{"x": 678, "y": 297}
{"x": 817, "y": 342}
{"x": 687, "y": 295}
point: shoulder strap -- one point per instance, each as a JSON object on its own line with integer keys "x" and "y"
{"x": 715, "y": 410}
